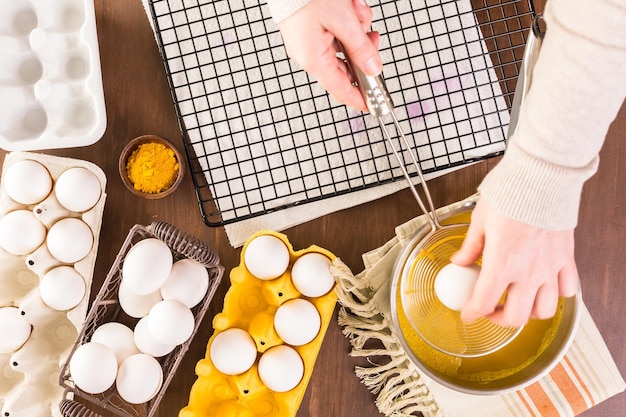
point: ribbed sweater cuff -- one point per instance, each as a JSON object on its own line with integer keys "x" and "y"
{"x": 536, "y": 193}
{"x": 282, "y": 9}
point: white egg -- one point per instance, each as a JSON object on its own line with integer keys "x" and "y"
{"x": 20, "y": 232}
{"x": 137, "y": 305}
{"x": 62, "y": 288}
{"x": 171, "y": 322}
{"x": 281, "y": 368}
{"x": 15, "y": 330}
{"x": 77, "y": 189}
{"x": 297, "y": 321}
{"x": 233, "y": 351}
{"x": 146, "y": 342}
{"x": 117, "y": 337}
{"x": 27, "y": 182}
{"x": 311, "y": 274}
{"x": 147, "y": 266}
{"x": 93, "y": 367}
{"x": 139, "y": 378}
{"x": 188, "y": 282}
{"x": 70, "y": 240}
{"x": 454, "y": 284}
{"x": 266, "y": 257}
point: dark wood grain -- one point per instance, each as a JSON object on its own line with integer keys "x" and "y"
{"x": 138, "y": 102}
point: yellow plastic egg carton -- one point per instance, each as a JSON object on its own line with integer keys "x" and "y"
{"x": 250, "y": 304}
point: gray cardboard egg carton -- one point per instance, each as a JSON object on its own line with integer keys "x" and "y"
{"x": 51, "y": 92}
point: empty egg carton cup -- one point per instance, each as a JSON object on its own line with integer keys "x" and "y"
{"x": 30, "y": 368}
{"x": 107, "y": 308}
{"x": 51, "y": 93}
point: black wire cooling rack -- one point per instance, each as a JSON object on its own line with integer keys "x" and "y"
{"x": 261, "y": 135}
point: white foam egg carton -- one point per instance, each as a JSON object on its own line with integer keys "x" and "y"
{"x": 29, "y": 376}
{"x": 51, "y": 93}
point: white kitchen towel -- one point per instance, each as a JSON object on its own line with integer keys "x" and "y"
{"x": 267, "y": 138}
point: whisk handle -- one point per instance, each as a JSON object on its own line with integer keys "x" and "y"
{"x": 373, "y": 90}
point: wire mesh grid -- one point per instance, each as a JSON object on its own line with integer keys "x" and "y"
{"x": 261, "y": 135}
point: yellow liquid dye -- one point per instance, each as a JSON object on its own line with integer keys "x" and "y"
{"x": 512, "y": 358}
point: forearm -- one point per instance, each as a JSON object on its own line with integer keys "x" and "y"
{"x": 281, "y": 9}
{"x": 577, "y": 89}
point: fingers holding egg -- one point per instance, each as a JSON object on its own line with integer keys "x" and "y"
{"x": 454, "y": 284}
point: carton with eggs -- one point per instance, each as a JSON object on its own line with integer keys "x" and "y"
{"x": 50, "y": 219}
{"x": 266, "y": 339}
{"x": 51, "y": 92}
{"x": 141, "y": 323}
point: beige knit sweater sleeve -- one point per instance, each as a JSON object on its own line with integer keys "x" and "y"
{"x": 579, "y": 84}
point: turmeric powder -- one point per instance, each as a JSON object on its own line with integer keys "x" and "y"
{"x": 152, "y": 167}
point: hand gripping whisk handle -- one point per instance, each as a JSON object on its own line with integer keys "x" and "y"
{"x": 374, "y": 91}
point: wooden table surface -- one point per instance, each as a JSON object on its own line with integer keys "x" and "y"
{"x": 138, "y": 102}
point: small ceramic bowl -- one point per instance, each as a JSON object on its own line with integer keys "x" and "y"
{"x": 134, "y": 145}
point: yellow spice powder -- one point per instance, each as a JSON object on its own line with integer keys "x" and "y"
{"x": 152, "y": 167}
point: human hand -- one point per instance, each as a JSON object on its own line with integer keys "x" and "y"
{"x": 534, "y": 266}
{"x": 319, "y": 30}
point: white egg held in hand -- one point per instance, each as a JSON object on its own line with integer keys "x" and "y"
{"x": 15, "y": 330}
{"x": 266, "y": 257}
{"x": 93, "y": 367}
{"x": 117, "y": 337}
{"x": 146, "y": 342}
{"x": 233, "y": 351}
{"x": 297, "y": 321}
{"x": 147, "y": 266}
{"x": 27, "y": 182}
{"x": 139, "y": 378}
{"x": 281, "y": 368}
{"x": 171, "y": 322}
{"x": 188, "y": 282}
{"x": 62, "y": 288}
{"x": 20, "y": 232}
{"x": 454, "y": 284}
{"x": 311, "y": 274}
{"x": 77, "y": 189}
{"x": 69, "y": 240}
